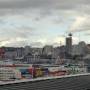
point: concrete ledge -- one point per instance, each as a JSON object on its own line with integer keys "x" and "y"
{"x": 71, "y": 82}
{"x": 43, "y": 78}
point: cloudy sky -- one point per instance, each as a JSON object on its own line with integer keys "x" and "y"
{"x": 40, "y": 22}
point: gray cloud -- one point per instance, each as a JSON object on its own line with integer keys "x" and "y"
{"x": 17, "y": 44}
{"x": 40, "y": 9}
{"x": 43, "y": 4}
{"x": 36, "y": 44}
{"x": 22, "y": 32}
{"x": 81, "y": 24}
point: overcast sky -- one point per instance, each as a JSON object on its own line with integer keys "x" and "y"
{"x": 40, "y": 22}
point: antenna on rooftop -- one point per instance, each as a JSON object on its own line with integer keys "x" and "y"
{"x": 60, "y": 43}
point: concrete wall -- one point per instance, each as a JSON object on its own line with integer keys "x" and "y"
{"x": 68, "y": 83}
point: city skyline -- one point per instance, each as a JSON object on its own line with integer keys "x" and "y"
{"x": 41, "y": 22}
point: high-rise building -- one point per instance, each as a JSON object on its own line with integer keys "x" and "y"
{"x": 47, "y": 50}
{"x": 27, "y": 50}
{"x": 69, "y": 44}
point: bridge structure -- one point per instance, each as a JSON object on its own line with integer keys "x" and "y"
{"x": 69, "y": 82}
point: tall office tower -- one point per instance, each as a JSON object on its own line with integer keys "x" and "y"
{"x": 69, "y": 44}
{"x": 47, "y": 50}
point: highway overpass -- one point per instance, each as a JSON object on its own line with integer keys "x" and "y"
{"x": 72, "y": 82}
